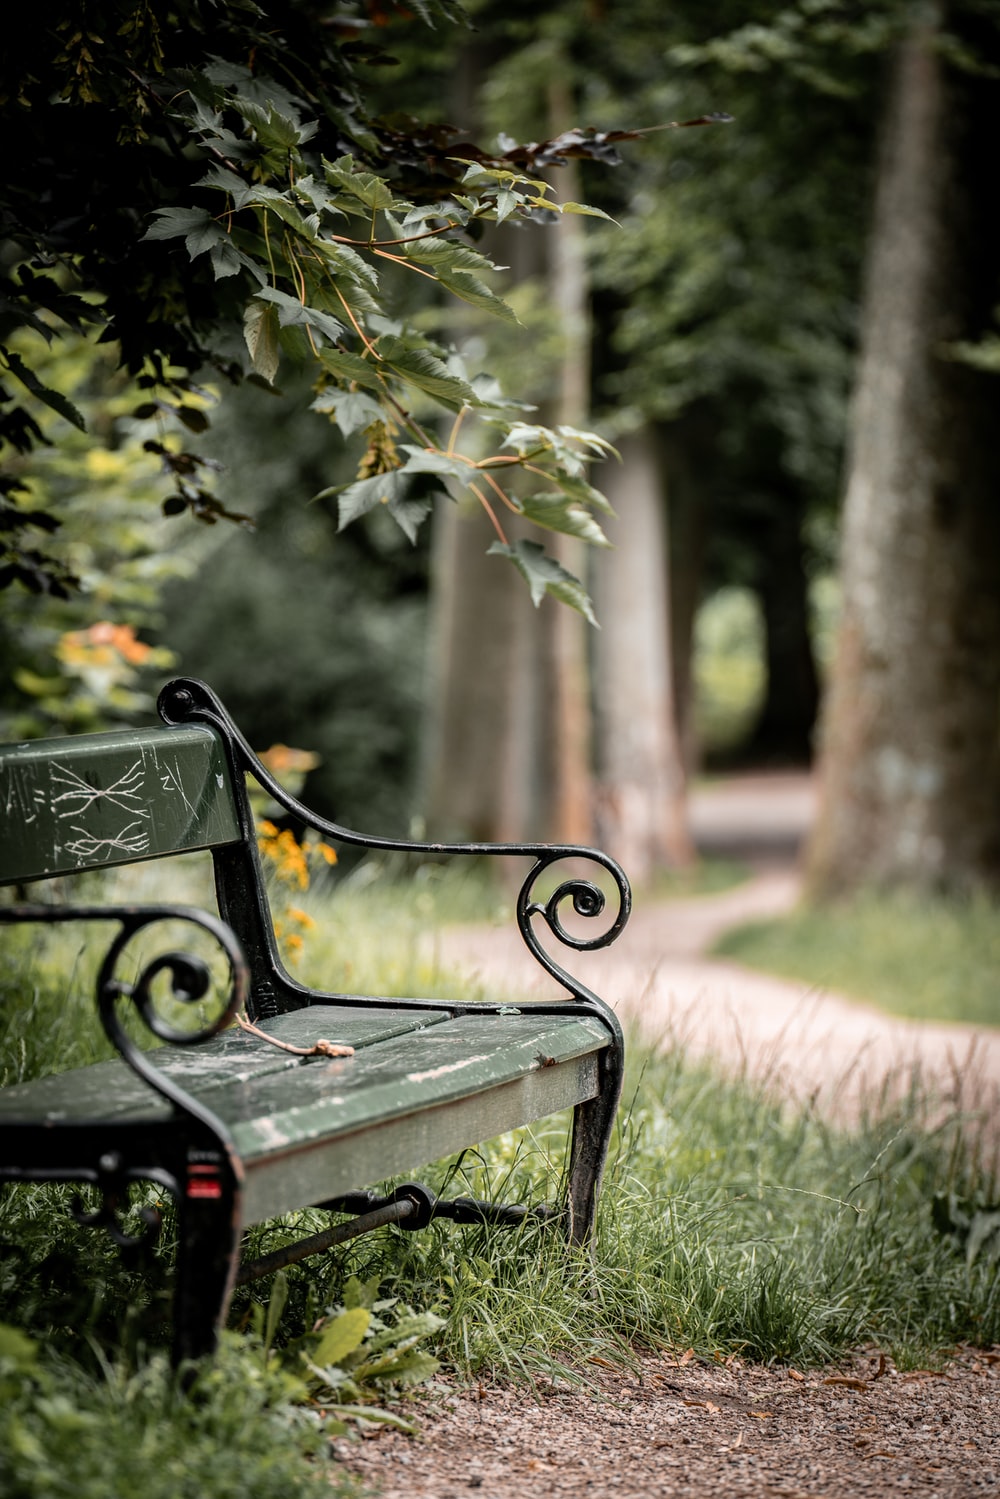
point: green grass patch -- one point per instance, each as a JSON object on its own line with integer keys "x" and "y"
{"x": 375, "y": 932}
{"x": 729, "y": 1222}
{"x": 927, "y": 958}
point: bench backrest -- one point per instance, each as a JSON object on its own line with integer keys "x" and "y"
{"x": 91, "y": 800}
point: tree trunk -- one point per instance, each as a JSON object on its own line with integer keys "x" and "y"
{"x": 569, "y": 804}
{"x": 568, "y": 738}
{"x": 910, "y": 765}
{"x": 479, "y": 771}
{"x": 508, "y": 752}
{"x": 483, "y": 742}
{"x": 783, "y": 732}
{"x": 686, "y": 445}
{"x": 641, "y": 795}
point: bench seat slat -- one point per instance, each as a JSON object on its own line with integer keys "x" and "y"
{"x": 333, "y": 1096}
{"x": 322, "y": 1168}
{"x": 393, "y": 1107}
{"x": 107, "y": 1090}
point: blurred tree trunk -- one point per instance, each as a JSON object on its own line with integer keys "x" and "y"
{"x": 686, "y": 447}
{"x": 485, "y": 771}
{"x": 910, "y": 763}
{"x": 783, "y": 732}
{"x": 641, "y": 796}
{"x": 509, "y": 735}
{"x": 479, "y": 773}
{"x": 568, "y": 738}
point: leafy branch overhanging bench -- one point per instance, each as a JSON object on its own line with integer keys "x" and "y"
{"x": 235, "y": 1129}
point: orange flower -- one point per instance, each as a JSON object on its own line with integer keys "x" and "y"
{"x": 102, "y": 642}
{"x": 281, "y": 760}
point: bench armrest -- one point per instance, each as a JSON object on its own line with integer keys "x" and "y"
{"x": 187, "y": 700}
{"x": 190, "y": 981}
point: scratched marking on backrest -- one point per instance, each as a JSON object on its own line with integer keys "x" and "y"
{"x": 111, "y": 798}
{"x": 87, "y": 846}
{"x": 126, "y": 792}
{"x": 74, "y": 796}
{"x": 173, "y": 781}
{"x": 22, "y": 796}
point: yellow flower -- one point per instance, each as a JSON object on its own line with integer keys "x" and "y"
{"x": 302, "y": 917}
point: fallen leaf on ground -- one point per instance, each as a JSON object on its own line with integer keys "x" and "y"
{"x": 847, "y": 1381}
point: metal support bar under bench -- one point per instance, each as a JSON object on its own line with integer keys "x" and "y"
{"x": 287, "y": 1097}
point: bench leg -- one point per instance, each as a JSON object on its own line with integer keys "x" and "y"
{"x": 593, "y": 1123}
{"x": 208, "y": 1240}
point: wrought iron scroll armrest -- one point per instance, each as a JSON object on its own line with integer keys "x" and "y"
{"x": 587, "y": 899}
{"x": 187, "y": 700}
{"x": 190, "y": 980}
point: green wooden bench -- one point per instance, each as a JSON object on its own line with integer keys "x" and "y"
{"x": 238, "y": 1129}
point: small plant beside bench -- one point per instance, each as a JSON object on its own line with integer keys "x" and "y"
{"x": 358, "y": 1088}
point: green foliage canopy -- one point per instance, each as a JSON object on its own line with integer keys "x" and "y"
{"x": 203, "y": 185}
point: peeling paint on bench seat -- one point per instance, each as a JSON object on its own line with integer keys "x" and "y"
{"x": 424, "y": 1077}
{"x": 271, "y": 1137}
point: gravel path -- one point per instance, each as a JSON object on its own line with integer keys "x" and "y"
{"x": 812, "y": 1043}
{"x": 673, "y": 1428}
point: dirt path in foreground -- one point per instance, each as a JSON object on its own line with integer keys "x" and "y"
{"x": 670, "y": 1430}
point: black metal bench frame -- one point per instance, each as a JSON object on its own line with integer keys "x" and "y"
{"x": 190, "y": 1153}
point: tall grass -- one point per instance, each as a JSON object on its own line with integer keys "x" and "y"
{"x": 728, "y": 1223}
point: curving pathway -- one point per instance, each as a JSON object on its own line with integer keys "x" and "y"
{"x": 811, "y": 1043}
